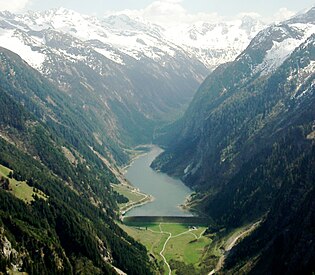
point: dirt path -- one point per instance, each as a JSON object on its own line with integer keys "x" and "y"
{"x": 241, "y": 235}
{"x": 161, "y": 253}
{"x": 170, "y": 236}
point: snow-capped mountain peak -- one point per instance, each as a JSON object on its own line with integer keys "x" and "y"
{"x": 216, "y": 43}
{"x": 210, "y": 43}
{"x": 118, "y": 54}
{"x": 307, "y": 16}
{"x": 272, "y": 46}
{"x": 116, "y": 36}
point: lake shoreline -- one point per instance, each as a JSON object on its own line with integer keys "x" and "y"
{"x": 137, "y": 154}
{"x": 148, "y": 199}
{"x": 170, "y": 195}
{"x": 127, "y": 184}
{"x": 130, "y": 205}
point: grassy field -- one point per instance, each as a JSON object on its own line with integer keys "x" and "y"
{"x": 188, "y": 250}
{"x": 128, "y": 191}
{"x": 4, "y": 171}
{"x": 187, "y": 244}
{"x": 21, "y": 189}
{"x": 135, "y": 197}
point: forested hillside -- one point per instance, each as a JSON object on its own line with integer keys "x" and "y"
{"x": 246, "y": 145}
{"x": 47, "y": 145}
{"x": 285, "y": 241}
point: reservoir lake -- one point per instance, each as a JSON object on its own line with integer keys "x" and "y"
{"x": 168, "y": 193}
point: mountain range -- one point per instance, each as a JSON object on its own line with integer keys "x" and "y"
{"x": 212, "y": 43}
{"x": 124, "y": 98}
{"x": 125, "y": 73}
{"x": 78, "y": 92}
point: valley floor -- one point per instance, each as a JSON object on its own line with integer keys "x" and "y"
{"x": 172, "y": 246}
{"x": 177, "y": 248}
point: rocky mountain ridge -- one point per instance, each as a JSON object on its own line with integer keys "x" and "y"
{"x": 224, "y": 84}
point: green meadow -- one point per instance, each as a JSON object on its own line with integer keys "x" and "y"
{"x": 186, "y": 245}
{"x": 21, "y": 189}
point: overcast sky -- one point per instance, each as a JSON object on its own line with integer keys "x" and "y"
{"x": 170, "y": 9}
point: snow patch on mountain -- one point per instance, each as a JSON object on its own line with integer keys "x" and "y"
{"x": 299, "y": 77}
{"x": 210, "y": 43}
{"x": 216, "y": 43}
{"x": 277, "y": 55}
{"x": 9, "y": 39}
{"x": 110, "y": 55}
{"x": 282, "y": 49}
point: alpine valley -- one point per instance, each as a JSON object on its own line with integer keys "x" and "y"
{"x": 232, "y": 103}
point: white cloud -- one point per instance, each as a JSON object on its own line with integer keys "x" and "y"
{"x": 250, "y": 14}
{"x": 171, "y": 12}
{"x": 166, "y": 11}
{"x": 281, "y": 15}
{"x": 13, "y": 5}
{"x": 164, "y": 8}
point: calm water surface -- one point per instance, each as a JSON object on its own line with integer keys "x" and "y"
{"x": 168, "y": 193}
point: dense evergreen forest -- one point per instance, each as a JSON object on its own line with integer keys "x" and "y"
{"x": 246, "y": 144}
{"x": 47, "y": 145}
{"x": 284, "y": 244}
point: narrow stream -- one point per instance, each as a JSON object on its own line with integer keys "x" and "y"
{"x": 168, "y": 193}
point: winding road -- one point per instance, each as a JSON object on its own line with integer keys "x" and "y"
{"x": 230, "y": 243}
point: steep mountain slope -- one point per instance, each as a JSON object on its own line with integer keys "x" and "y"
{"x": 233, "y": 105}
{"x": 285, "y": 241}
{"x": 47, "y": 155}
{"x": 246, "y": 143}
{"x": 126, "y": 72}
{"x": 126, "y": 79}
{"x": 273, "y": 150}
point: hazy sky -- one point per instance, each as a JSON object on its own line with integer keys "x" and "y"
{"x": 169, "y": 9}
